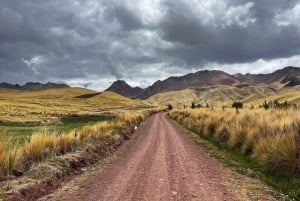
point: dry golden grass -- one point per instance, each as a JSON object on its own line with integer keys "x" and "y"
{"x": 291, "y": 95}
{"x": 213, "y": 95}
{"x": 45, "y": 144}
{"x": 269, "y": 137}
{"x": 218, "y": 96}
{"x": 49, "y": 105}
{"x": 176, "y": 98}
{"x": 8, "y": 157}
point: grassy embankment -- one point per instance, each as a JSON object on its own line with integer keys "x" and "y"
{"x": 265, "y": 142}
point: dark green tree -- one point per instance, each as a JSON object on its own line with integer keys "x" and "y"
{"x": 237, "y": 105}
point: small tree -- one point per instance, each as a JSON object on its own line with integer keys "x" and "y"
{"x": 237, "y": 105}
{"x": 193, "y": 105}
{"x": 170, "y": 107}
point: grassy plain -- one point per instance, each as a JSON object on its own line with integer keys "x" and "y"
{"x": 51, "y": 105}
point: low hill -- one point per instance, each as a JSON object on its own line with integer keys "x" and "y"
{"x": 222, "y": 95}
{"x": 51, "y": 104}
{"x": 122, "y": 88}
{"x": 290, "y": 94}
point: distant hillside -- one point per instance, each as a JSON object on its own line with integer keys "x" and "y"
{"x": 290, "y": 94}
{"x": 200, "y": 78}
{"x": 122, "y": 88}
{"x": 33, "y": 86}
{"x": 286, "y": 74}
{"x": 286, "y": 77}
{"x": 222, "y": 95}
{"x": 220, "y": 89}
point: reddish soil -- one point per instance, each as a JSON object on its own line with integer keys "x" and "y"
{"x": 164, "y": 164}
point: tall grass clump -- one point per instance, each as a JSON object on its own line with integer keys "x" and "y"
{"x": 65, "y": 143}
{"x": 39, "y": 147}
{"x": 8, "y": 157}
{"x": 268, "y": 137}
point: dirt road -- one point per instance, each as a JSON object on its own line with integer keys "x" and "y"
{"x": 165, "y": 164}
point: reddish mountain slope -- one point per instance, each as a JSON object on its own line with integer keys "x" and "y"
{"x": 122, "y": 88}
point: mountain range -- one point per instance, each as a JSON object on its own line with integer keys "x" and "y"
{"x": 287, "y": 77}
{"x": 205, "y": 80}
{"x": 32, "y": 86}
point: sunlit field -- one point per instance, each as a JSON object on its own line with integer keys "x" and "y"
{"x": 23, "y": 113}
{"x": 48, "y": 106}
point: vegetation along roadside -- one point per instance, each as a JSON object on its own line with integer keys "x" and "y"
{"x": 46, "y": 155}
{"x": 257, "y": 143}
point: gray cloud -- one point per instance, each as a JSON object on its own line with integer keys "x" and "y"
{"x": 197, "y": 42}
{"x": 91, "y": 42}
{"x": 127, "y": 19}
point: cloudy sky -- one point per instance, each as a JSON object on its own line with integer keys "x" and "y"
{"x": 91, "y": 43}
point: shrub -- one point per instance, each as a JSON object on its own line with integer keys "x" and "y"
{"x": 193, "y": 105}
{"x": 276, "y": 153}
{"x": 8, "y": 157}
{"x": 237, "y": 105}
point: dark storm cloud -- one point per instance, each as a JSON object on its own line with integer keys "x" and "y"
{"x": 196, "y": 42}
{"x": 128, "y": 20}
{"x": 88, "y": 41}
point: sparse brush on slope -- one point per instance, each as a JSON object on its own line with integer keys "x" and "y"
{"x": 269, "y": 137}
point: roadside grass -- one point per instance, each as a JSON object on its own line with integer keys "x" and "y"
{"x": 24, "y": 143}
{"x": 212, "y": 134}
{"x": 47, "y": 143}
{"x": 286, "y": 188}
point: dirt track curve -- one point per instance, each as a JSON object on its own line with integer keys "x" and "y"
{"x": 165, "y": 164}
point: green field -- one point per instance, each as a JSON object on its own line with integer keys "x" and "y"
{"x": 23, "y": 130}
